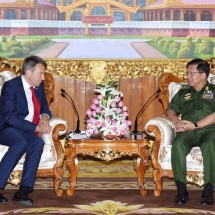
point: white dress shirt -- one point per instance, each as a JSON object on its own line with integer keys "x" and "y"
{"x": 28, "y": 94}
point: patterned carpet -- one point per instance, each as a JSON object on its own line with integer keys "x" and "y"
{"x": 106, "y": 189}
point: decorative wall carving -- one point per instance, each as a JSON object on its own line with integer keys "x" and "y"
{"x": 95, "y": 69}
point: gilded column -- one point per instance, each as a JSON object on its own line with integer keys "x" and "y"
{"x": 128, "y": 16}
{"x": 164, "y": 15}
{"x": 213, "y": 15}
{"x": 198, "y": 15}
{"x": 171, "y": 14}
{"x": 29, "y": 14}
{"x": 36, "y": 13}
{"x": 19, "y": 13}
{"x": 1, "y": 13}
{"x": 86, "y": 14}
{"x": 181, "y": 15}
{"x": 108, "y": 13}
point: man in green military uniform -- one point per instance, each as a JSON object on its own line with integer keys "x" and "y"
{"x": 195, "y": 104}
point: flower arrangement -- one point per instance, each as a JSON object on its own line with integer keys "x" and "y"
{"x": 108, "y": 114}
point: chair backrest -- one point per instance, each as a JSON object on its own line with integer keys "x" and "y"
{"x": 170, "y": 84}
{"x": 164, "y": 81}
{"x": 7, "y": 73}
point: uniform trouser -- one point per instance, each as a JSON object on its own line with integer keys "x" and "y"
{"x": 181, "y": 147}
{"x": 20, "y": 143}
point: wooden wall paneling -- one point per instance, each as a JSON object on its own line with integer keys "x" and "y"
{"x": 158, "y": 105}
{"x": 57, "y": 105}
{"x": 149, "y": 88}
{"x": 90, "y": 95}
{"x": 125, "y": 86}
{"x": 69, "y": 85}
{"x": 136, "y": 91}
{"x": 136, "y": 101}
{"x": 79, "y": 94}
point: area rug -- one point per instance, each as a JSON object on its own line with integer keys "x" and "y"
{"x": 106, "y": 202}
{"x": 106, "y": 189}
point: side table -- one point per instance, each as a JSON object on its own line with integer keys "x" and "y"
{"x": 107, "y": 150}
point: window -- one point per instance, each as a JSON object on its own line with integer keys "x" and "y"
{"x": 23, "y": 14}
{"x": 119, "y": 16}
{"x": 167, "y": 15}
{"x": 176, "y": 15}
{"x": 98, "y": 11}
{"x": 206, "y": 16}
{"x": 61, "y": 16}
{"x": 138, "y": 16}
{"x": 32, "y": 16}
{"x": 161, "y": 15}
{"x": 76, "y": 16}
{"x": 10, "y": 14}
{"x": 189, "y": 16}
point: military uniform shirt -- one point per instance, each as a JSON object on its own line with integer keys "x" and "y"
{"x": 192, "y": 105}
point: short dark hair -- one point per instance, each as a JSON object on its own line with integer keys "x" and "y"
{"x": 31, "y": 62}
{"x": 202, "y": 65}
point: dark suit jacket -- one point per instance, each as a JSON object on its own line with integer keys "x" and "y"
{"x": 14, "y": 107}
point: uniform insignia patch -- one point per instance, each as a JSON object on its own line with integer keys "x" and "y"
{"x": 187, "y": 96}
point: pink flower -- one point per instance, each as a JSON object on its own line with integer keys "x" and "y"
{"x": 114, "y": 129}
{"x": 91, "y": 119}
{"x": 124, "y": 108}
{"x": 107, "y": 118}
{"x": 125, "y": 114}
{"x": 88, "y": 112}
{"x": 93, "y": 106}
{"x": 117, "y": 98}
{"x": 99, "y": 97}
{"x": 113, "y": 104}
{"x": 95, "y": 132}
{"x": 128, "y": 123}
{"x": 123, "y": 132}
{"x": 95, "y": 101}
{"x": 120, "y": 104}
{"x": 114, "y": 122}
{"x": 97, "y": 123}
{"x": 119, "y": 110}
{"x": 97, "y": 110}
{"x": 93, "y": 113}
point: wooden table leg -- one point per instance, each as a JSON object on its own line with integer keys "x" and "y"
{"x": 72, "y": 164}
{"x": 141, "y": 167}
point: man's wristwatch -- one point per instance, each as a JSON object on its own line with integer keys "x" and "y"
{"x": 196, "y": 127}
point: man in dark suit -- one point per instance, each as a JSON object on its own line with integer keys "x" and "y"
{"x": 20, "y": 126}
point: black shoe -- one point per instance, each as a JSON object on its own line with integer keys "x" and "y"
{"x": 182, "y": 197}
{"x": 207, "y": 197}
{"x": 23, "y": 199}
{"x": 3, "y": 199}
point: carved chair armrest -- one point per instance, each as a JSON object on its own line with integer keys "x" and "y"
{"x": 59, "y": 129}
{"x": 162, "y": 129}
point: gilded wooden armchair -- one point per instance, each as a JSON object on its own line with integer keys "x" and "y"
{"x": 163, "y": 132}
{"x": 52, "y": 160}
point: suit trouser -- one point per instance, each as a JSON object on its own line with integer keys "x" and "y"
{"x": 19, "y": 144}
{"x": 181, "y": 147}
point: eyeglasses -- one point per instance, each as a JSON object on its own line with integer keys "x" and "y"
{"x": 192, "y": 73}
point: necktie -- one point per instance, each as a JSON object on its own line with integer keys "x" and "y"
{"x": 36, "y": 104}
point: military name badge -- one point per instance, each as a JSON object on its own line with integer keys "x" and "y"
{"x": 208, "y": 94}
{"x": 187, "y": 96}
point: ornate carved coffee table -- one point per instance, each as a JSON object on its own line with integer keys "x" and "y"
{"x": 107, "y": 150}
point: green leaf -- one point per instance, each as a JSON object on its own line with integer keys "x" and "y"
{"x": 107, "y": 79}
